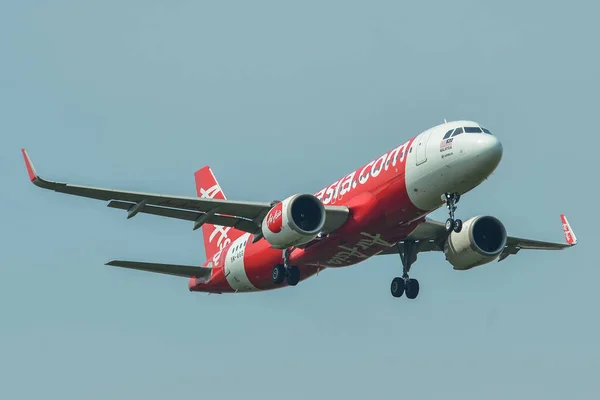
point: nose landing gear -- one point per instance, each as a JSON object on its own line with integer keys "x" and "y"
{"x": 285, "y": 271}
{"x": 405, "y": 285}
{"x": 452, "y": 224}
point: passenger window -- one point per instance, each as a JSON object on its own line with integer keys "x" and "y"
{"x": 470, "y": 129}
{"x": 447, "y": 135}
{"x": 458, "y": 131}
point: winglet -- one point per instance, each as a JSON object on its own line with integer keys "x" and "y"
{"x": 569, "y": 234}
{"x": 34, "y": 177}
{"x": 30, "y": 170}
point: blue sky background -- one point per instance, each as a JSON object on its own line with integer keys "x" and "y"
{"x": 279, "y": 98}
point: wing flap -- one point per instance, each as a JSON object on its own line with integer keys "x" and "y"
{"x": 216, "y": 219}
{"x": 168, "y": 269}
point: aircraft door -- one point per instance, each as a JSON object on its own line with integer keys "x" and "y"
{"x": 422, "y": 146}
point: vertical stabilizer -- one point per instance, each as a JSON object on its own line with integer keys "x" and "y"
{"x": 216, "y": 237}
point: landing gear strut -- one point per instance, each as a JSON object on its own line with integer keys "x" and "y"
{"x": 452, "y": 224}
{"x": 284, "y": 271}
{"x": 408, "y": 254}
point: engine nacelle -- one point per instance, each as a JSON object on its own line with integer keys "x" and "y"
{"x": 480, "y": 241}
{"x": 294, "y": 221}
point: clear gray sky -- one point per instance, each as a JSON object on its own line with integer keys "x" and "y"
{"x": 279, "y": 98}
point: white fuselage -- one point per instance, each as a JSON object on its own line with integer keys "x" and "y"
{"x": 438, "y": 164}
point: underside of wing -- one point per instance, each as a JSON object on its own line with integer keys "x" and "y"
{"x": 242, "y": 224}
{"x": 244, "y": 209}
{"x": 514, "y": 245}
{"x": 431, "y": 236}
{"x": 243, "y": 215}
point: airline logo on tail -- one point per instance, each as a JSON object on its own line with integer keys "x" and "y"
{"x": 223, "y": 240}
{"x": 207, "y": 187}
{"x": 275, "y": 218}
{"x": 211, "y": 192}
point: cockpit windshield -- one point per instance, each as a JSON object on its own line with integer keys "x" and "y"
{"x": 466, "y": 129}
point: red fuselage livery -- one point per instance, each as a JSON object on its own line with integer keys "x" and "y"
{"x": 381, "y": 215}
{"x": 379, "y": 208}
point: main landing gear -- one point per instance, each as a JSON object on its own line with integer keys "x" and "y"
{"x": 284, "y": 271}
{"x": 452, "y": 224}
{"x": 408, "y": 254}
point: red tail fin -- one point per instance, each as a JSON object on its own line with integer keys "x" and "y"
{"x": 216, "y": 237}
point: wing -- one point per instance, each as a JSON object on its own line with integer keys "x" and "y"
{"x": 243, "y": 215}
{"x": 514, "y": 244}
{"x": 431, "y": 235}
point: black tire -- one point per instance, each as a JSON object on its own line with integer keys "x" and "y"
{"x": 293, "y": 276}
{"x": 458, "y": 225}
{"x": 412, "y": 288}
{"x": 397, "y": 287}
{"x": 278, "y": 274}
{"x": 449, "y": 225}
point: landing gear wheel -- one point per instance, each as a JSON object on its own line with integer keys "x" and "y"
{"x": 397, "y": 287}
{"x": 412, "y": 288}
{"x": 293, "y": 276}
{"x": 278, "y": 274}
{"x": 408, "y": 255}
{"x": 457, "y": 225}
{"x": 450, "y": 225}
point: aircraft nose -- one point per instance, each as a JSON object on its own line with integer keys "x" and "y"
{"x": 488, "y": 150}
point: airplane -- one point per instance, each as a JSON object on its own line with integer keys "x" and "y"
{"x": 380, "y": 208}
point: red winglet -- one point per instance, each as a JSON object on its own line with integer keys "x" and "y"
{"x": 569, "y": 234}
{"x": 30, "y": 170}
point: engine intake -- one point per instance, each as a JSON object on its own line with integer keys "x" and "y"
{"x": 307, "y": 214}
{"x": 294, "y": 221}
{"x": 480, "y": 241}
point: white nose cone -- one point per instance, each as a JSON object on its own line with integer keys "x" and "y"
{"x": 488, "y": 152}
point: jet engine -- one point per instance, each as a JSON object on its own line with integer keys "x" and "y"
{"x": 480, "y": 241}
{"x": 294, "y": 221}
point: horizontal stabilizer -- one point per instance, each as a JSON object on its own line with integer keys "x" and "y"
{"x": 169, "y": 269}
